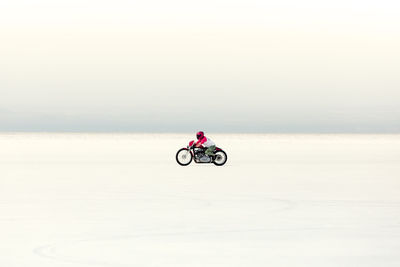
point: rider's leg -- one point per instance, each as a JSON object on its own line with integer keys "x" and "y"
{"x": 210, "y": 151}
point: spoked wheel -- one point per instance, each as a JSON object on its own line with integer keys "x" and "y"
{"x": 184, "y": 157}
{"x": 220, "y": 158}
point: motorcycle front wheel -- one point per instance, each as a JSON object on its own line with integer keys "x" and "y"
{"x": 220, "y": 158}
{"x": 184, "y": 157}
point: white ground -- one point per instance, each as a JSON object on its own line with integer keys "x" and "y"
{"x": 122, "y": 200}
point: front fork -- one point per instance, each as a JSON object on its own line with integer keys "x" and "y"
{"x": 188, "y": 151}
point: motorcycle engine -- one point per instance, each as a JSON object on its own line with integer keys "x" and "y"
{"x": 205, "y": 159}
{"x": 202, "y": 157}
{"x": 199, "y": 154}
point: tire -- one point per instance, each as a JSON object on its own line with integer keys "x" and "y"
{"x": 183, "y": 157}
{"x": 220, "y": 158}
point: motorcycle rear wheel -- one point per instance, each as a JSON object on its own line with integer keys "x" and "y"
{"x": 220, "y": 158}
{"x": 183, "y": 157}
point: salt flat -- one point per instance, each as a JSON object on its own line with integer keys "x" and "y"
{"x": 122, "y": 200}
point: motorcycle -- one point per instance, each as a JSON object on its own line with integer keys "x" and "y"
{"x": 184, "y": 156}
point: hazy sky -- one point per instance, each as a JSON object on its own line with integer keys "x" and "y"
{"x": 272, "y": 66}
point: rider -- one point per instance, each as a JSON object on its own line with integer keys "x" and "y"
{"x": 206, "y": 142}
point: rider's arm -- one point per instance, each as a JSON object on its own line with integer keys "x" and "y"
{"x": 200, "y": 142}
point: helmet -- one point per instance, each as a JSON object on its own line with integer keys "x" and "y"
{"x": 200, "y": 135}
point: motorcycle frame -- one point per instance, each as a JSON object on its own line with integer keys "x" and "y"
{"x": 193, "y": 152}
